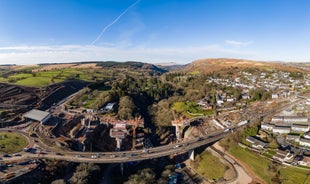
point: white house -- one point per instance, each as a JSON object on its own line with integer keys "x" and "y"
{"x": 283, "y": 155}
{"x": 295, "y": 138}
{"x": 245, "y": 96}
{"x": 277, "y": 119}
{"x": 290, "y": 119}
{"x": 300, "y": 128}
{"x": 220, "y": 102}
{"x": 295, "y": 119}
{"x": 110, "y": 106}
{"x": 275, "y": 96}
{"x": 304, "y": 142}
{"x": 231, "y": 100}
{"x": 305, "y": 161}
{"x": 256, "y": 143}
{"x": 267, "y": 126}
{"x": 307, "y": 135}
{"x": 281, "y": 129}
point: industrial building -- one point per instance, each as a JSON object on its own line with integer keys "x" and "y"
{"x": 37, "y": 115}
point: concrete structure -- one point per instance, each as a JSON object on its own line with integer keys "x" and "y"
{"x": 191, "y": 154}
{"x": 37, "y": 115}
{"x": 179, "y": 124}
{"x": 115, "y": 133}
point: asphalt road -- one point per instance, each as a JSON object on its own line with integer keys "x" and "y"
{"x": 113, "y": 157}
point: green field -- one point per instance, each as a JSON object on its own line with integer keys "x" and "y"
{"x": 190, "y": 108}
{"x": 259, "y": 165}
{"x": 34, "y": 81}
{"x": 209, "y": 166}
{"x": 11, "y": 142}
{"x": 292, "y": 175}
{"x": 43, "y": 78}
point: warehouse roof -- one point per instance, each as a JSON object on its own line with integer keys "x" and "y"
{"x": 37, "y": 115}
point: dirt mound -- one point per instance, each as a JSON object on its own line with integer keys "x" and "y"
{"x": 18, "y": 95}
{"x": 61, "y": 91}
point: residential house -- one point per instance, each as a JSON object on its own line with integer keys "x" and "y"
{"x": 245, "y": 96}
{"x": 295, "y": 138}
{"x": 304, "y": 142}
{"x": 305, "y": 161}
{"x": 290, "y": 119}
{"x": 283, "y": 156}
{"x": 204, "y": 103}
{"x": 231, "y": 99}
{"x": 281, "y": 129}
{"x": 110, "y": 107}
{"x": 256, "y": 142}
{"x": 307, "y": 135}
{"x": 275, "y": 96}
{"x": 300, "y": 128}
{"x": 267, "y": 126}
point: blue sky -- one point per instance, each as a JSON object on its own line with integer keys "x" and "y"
{"x": 153, "y": 31}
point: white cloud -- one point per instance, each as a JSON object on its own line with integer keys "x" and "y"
{"x": 74, "y": 53}
{"x": 238, "y": 43}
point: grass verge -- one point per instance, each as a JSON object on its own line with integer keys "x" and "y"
{"x": 209, "y": 166}
{"x": 12, "y": 142}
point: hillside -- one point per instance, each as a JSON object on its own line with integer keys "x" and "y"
{"x": 45, "y": 74}
{"x": 222, "y": 64}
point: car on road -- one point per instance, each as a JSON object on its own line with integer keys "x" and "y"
{"x": 185, "y": 144}
{"x": 99, "y": 155}
{"x": 112, "y": 156}
{"x": 6, "y": 155}
{"x": 78, "y": 156}
{"x": 60, "y": 154}
{"x": 132, "y": 154}
{"x": 176, "y": 146}
{"x": 17, "y": 154}
{"x": 200, "y": 138}
{"x": 146, "y": 151}
{"x": 94, "y": 156}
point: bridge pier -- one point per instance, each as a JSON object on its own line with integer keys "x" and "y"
{"x": 177, "y": 132}
{"x": 191, "y": 154}
{"x": 118, "y": 143}
{"x": 122, "y": 169}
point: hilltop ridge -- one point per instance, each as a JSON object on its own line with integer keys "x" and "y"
{"x": 217, "y": 64}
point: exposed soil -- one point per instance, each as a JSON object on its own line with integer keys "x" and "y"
{"x": 23, "y": 98}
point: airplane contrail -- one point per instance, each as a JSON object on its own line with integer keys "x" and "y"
{"x": 114, "y": 21}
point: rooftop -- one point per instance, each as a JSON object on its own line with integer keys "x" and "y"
{"x": 37, "y": 115}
